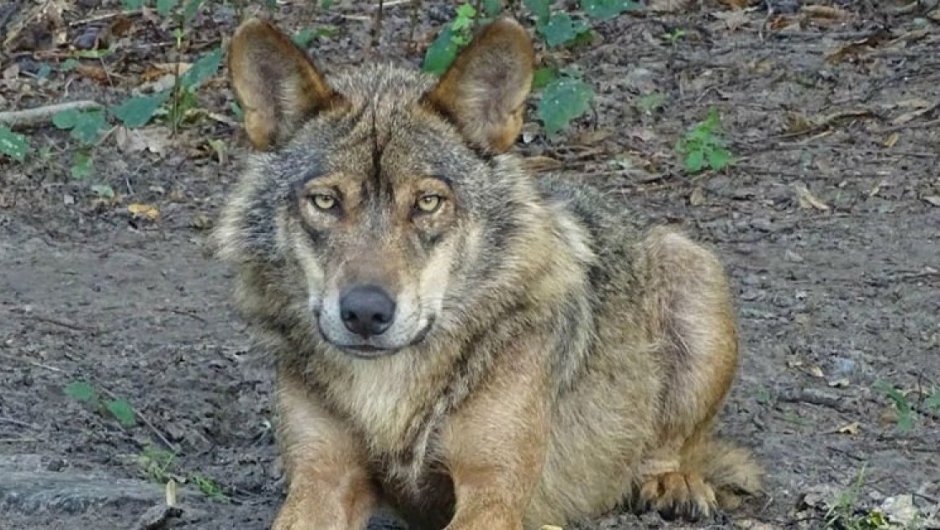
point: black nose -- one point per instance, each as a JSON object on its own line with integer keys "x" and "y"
{"x": 367, "y": 310}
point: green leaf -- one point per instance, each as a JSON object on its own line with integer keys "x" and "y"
{"x": 165, "y": 7}
{"x": 65, "y": 119}
{"x": 69, "y": 65}
{"x": 933, "y": 401}
{"x": 541, "y": 9}
{"x": 82, "y": 164}
{"x": 542, "y": 77}
{"x": 441, "y": 53}
{"x": 105, "y": 191}
{"x": 80, "y": 391}
{"x": 464, "y": 19}
{"x": 138, "y": 111}
{"x": 719, "y": 158}
{"x": 202, "y": 70}
{"x": 695, "y": 161}
{"x": 905, "y": 422}
{"x": 44, "y": 70}
{"x": 492, "y": 8}
{"x": 13, "y": 145}
{"x": 190, "y": 10}
{"x": 326, "y": 4}
{"x": 237, "y": 110}
{"x": 133, "y": 5}
{"x": 560, "y": 29}
{"x": 122, "y": 411}
{"x": 605, "y": 9}
{"x": 303, "y": 37}
{"x": 93, "y": 54}
{"x": 87, "y": 126}
{"x": 563, "y": 100}
{"x": 650, "y": 102}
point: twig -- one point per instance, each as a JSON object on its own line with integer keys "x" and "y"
{"x": 896, "y": 128}
{"x": 34, "y": 363}
{"x": 29, "y": 117}
{"x": 13, "y": 421}
{"x": 62, "y": 322}
{"x": 147, "y": 422}
{"x": 377, "y": 26}
{"x": 183, "y": 313}
{"x": 415, "y": 7}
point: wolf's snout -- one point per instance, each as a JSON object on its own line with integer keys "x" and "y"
{"x": 367, "y": 310}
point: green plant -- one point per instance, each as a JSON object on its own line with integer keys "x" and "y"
{"x": 13, "y": 145}
{"x": 704, "y": 146}
{"x": 565, "y": 95}
{"x": 450, "y": 41}
{"x": 209, "y": 487}
{"x": 845, "y": 514}
{"x": 674, "y": 36}
{"x": 902, "y": 405}
{"x": 649, "y": 103}
{"x": 157, "y": 463}
{"x": 564, "y": 99}
{"x": 118, "y": 408}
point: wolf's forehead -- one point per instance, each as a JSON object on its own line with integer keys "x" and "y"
{"x": 380, "y": 86}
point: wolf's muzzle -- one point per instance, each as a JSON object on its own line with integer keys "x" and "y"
{"x": 367, "y": 310}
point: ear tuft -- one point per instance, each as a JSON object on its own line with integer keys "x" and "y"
{"x": 276, "y": 83}
{"x": 484, "y": 90}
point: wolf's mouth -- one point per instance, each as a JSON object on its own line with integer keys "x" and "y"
{"x": 369, "y": 351}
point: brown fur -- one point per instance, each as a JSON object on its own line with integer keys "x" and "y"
{"x": 547, "y": 360}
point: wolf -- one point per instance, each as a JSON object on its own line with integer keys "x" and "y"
{"x": 479, "y": 348}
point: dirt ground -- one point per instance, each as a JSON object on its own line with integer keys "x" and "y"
{"x": 829, "y": 223}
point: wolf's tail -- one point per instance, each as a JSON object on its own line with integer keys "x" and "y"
{"x": 731, "y": 470}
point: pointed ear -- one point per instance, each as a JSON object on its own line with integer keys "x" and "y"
{"x": 484, "y": 90}
{"x": 276, "y": 83}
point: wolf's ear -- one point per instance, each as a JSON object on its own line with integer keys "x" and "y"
{"x": 276, "y": 83}
{"x": 484, "y": 90}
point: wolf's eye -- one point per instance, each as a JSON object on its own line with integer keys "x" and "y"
{"x": 429, "y": 203}
{"x": 323, "y": 202}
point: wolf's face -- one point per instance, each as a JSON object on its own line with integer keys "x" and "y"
{"x": 381, "y": 185}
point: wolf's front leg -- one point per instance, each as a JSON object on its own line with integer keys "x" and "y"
{"x": 330, "y": 488}
{"x": 495, "y": 444}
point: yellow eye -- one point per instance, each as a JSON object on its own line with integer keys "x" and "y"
{"x": 429, "y": 203}
{"x": 323, "y": 202}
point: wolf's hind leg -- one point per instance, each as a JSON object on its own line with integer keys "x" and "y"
{"x": 689, "y": 303}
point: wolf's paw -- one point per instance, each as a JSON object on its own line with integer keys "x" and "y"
{"x": 679, "y": 495}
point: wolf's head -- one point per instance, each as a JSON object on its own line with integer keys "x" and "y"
{"x": 378, "y": 197}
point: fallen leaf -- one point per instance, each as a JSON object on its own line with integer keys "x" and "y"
{"x": 900, "y": 510}
{"x": 144, "y": 211}
{"x": 737, "y": 4}
{"x": 668, "y": 6}
{"x": 849, "y": 428}
{"x": 551, "y": 527}
{"x": 839, "y": 383}
{"x": 807, "y": 199}
{"x": 697, "y": 197}
{"x": 152, "y": 139}
{"x": 732, "y": 19}
{"x": 933, "y": 199}
{"x": 92, "y": 71}
{"x": 855, "y": 49}
{"x": 891, "y": 140}
{"x": 200, "y": 222}
{"x": 816, "y": 371}
{"x": 824, "y": 12}
{"x": 171, "y": 492}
